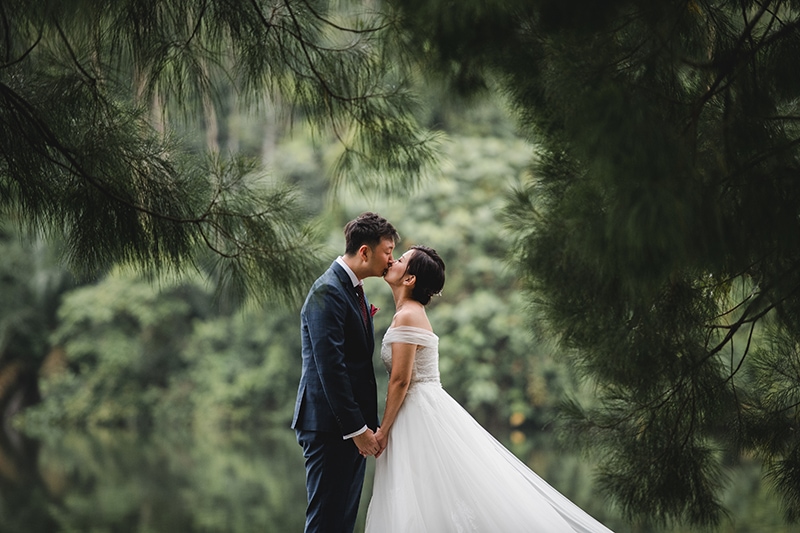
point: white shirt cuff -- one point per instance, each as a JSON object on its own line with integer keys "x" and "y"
{"x": 355, "y": 433}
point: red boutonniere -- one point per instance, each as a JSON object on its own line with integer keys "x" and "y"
{"x": 373, "y": 310}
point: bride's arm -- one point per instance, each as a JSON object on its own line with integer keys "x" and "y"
{"x": 402, "y": 363}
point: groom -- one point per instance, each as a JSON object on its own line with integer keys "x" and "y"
{"x": 336, "y": 412}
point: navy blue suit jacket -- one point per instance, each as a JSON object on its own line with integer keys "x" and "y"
{"x": 337, "y": 391}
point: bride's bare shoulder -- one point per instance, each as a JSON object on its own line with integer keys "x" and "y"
{"x": 412, "y": 316}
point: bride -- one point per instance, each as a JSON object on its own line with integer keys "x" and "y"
{"x": 440, "y": 471}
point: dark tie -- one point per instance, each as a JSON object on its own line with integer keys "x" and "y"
{"x": 362, "y": 303}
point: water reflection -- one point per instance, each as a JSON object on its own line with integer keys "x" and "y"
{"x": 126, "y": 482}
{"x": 238, "y": 482}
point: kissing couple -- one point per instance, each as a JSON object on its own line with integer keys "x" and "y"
{"x": 437, "y": 470}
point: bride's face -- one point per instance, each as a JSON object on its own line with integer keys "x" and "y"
{"x": 396, "y": 272}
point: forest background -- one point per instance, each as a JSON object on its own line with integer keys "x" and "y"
{"x": 612, "y": 187}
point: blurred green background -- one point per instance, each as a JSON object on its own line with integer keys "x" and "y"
{"x": 159, "y": 401}
{"x": 165, "y": 408}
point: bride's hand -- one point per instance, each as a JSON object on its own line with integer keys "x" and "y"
{"x": 383, "y": 440}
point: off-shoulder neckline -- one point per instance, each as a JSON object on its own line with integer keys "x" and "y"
{"x": 429, "y": 332}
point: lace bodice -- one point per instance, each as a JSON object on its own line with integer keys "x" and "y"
{"x": 426, "y": 362}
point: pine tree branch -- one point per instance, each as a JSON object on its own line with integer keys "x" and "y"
{"x": 743, "y": 357}
{"x": 296, "y": 33}
{"x": 197, "y": 24}
{"x": 764, "y": 156}
{"x": 745, "y": 319}
{"x": 782, "y": 118}
{"x": 342, "y": 28}
{"x": 7, "y": 32}
{"x": 205, "y": 221}
{"x": 24, "y": 55}
{"x": 267, "y": 23}
{"x": 310, "y": 62}
{"x": 730, "y": 62}
{"x": 74, "y": 167}
{"x": 91, "y": 79}
{"x": 774, "y": 13}
{"x": 666, "y": 396}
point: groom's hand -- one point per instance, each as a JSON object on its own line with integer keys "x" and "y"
{"x": 367, "y": 443}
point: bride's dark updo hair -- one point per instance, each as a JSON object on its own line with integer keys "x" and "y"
{"x": 428, "y": 268}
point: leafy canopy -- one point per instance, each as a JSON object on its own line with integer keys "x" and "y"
{"x": 659, "y": 235}
{"x": 92, "y": 94}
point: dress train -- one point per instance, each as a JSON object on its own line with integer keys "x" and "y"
{"x": 443, "y": 472}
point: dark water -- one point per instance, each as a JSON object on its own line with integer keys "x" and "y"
{"x": 243, "y": 482}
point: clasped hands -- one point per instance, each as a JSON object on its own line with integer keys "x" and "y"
{"x": 371, "y": 442}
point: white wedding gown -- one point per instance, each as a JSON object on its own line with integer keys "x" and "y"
{"x": 442, "y": 472}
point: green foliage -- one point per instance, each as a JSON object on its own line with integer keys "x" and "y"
{"x": 20, "y": 318}
{"x": 121, "y": 337}
{"x": 142, "y": 354}
{"x": 215, "y": 482}
{"x": 94, "y": 98}
{"x": 31, "y": 285}
{"x": 241, "y": 371}
{"x": 658, "y": 232}
{"x": 234, "y": 481}
{"x": 489, "y": 361}
{"x": 775, "y": 374}
{"x": 124, "y": 482}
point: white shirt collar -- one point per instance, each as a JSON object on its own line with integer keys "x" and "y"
{"x": 353, "y": 277}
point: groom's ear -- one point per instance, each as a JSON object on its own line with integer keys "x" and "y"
{"x": 363, "y": 252}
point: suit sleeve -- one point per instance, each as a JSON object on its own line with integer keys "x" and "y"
{"x": 325, "y": 319}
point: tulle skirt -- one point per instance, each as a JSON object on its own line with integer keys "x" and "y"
{"x": 442, "y": 472}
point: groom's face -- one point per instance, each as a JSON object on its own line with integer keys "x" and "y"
{"x": 379, "y": 259}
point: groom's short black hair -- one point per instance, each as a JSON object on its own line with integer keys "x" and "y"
{"x": 368, "y": 228}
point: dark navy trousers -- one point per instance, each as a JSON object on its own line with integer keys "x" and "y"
{"x": 334, "y": 479}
